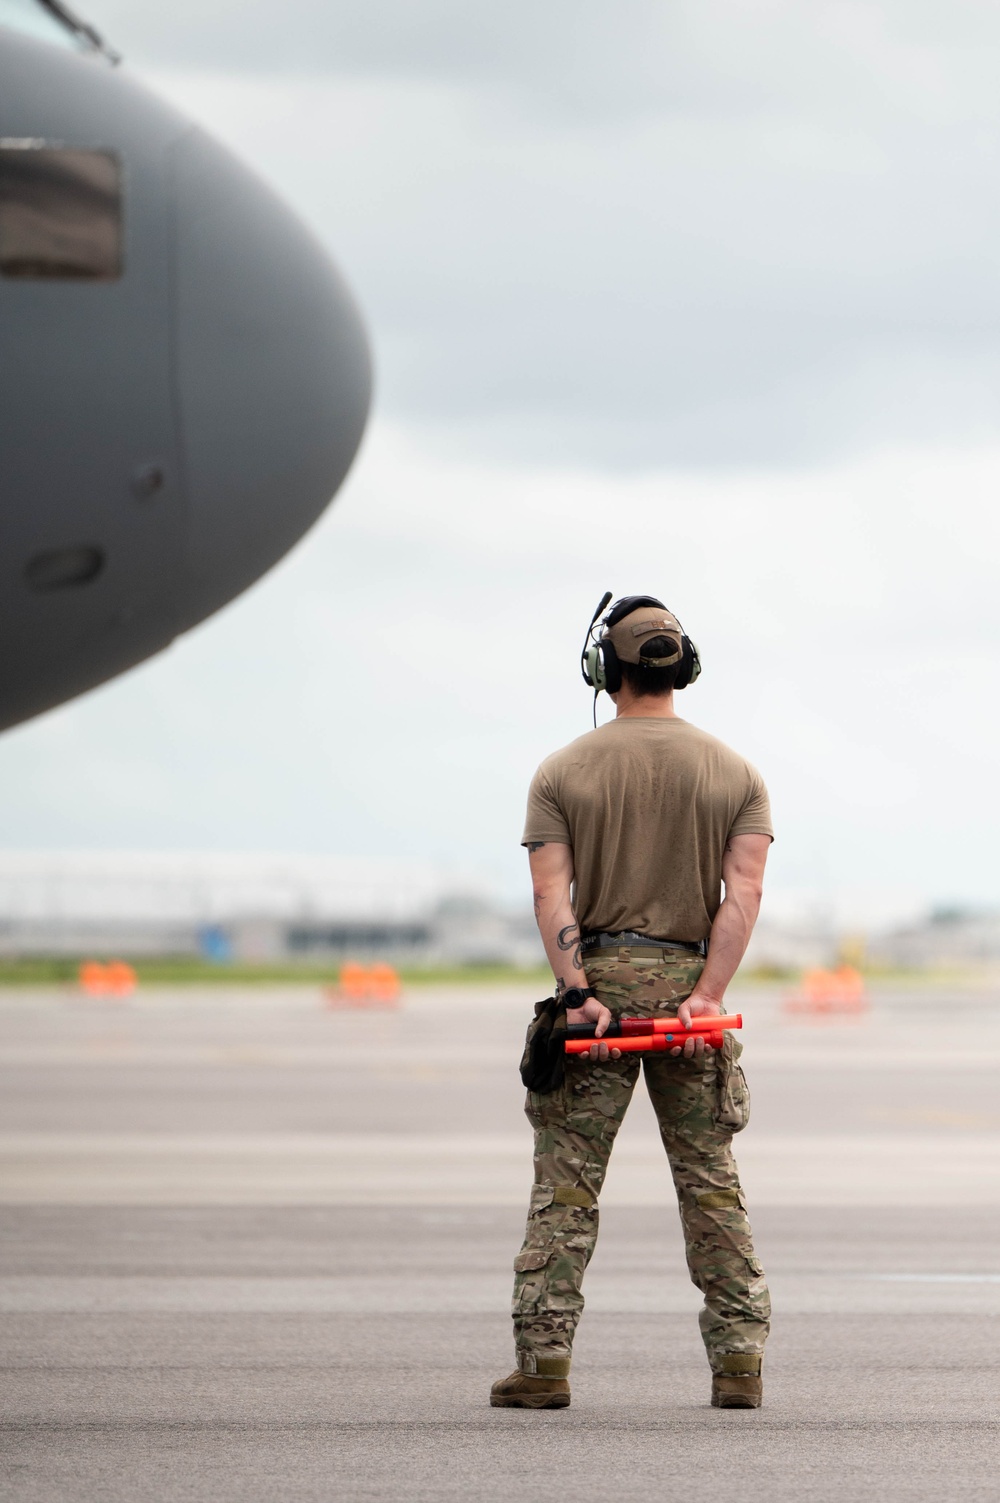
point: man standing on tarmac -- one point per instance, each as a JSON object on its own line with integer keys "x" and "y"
{"x": 632, "y": 832}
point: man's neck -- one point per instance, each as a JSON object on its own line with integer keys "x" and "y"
{"x": 643, "y": 706}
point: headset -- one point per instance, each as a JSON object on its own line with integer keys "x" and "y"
{"x": 599, "y": 662}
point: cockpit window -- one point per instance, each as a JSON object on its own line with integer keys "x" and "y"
{"x": 60, "y": 213}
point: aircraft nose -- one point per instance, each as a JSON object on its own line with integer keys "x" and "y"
{"x": 272, "y": 373}
{"x": 185, "y": 378}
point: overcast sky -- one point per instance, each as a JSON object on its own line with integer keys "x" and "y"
{"x": 698, "y": 299}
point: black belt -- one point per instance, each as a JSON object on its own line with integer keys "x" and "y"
{"x": 627, "y": 938}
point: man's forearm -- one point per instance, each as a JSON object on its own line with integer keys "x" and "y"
{"x": 727, "y": 945}
{"x": 552, "y": 886}
{"x": 560, "y": 934}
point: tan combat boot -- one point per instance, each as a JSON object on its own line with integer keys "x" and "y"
{"x": 739, "y": 1385}
{"x": 520, "y": 1391}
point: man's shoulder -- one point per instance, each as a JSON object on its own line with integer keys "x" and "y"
{"x": 574, "y": 752}
{"x": 712, "y": 743}
{"x": 729, "y": 762}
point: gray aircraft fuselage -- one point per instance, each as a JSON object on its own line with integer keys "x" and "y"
{"x": 184, "y": 378}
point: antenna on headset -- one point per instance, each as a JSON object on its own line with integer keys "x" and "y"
{"x": 586, "y": 643}
{"x": 604, "y": 600}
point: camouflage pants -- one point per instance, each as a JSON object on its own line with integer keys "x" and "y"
{"x": 699, "y": 1104}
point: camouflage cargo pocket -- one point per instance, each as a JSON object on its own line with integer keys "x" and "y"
{"x": 732, "y": 1103}
{"x": 542, "y": 1197}
{"x": 544, "y": 1107}
{"x": 531, "y": 1281}
{"x": 532, "y": 1260}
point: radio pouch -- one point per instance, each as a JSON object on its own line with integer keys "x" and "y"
{"x": 543, "y": 1060}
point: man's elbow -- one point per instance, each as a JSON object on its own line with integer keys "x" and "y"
{"x": 548, "y": 895}
{"x": 746, "y": 896}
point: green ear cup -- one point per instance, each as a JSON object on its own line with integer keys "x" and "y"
{"x": 593, "y": 666}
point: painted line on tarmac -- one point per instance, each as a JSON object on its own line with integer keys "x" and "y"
{"x": 888, "y": 1054}
{"x": 455, "y": 1293}
{"x": 934, "y": 1278}
{"x": 365, "y": 1169}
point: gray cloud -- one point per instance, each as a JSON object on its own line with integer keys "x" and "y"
{"x": 708, "y": 233}
{"x": 581, "y": 53}
{"x": 716, "y": 54}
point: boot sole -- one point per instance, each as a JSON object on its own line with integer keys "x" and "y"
{"x": 736, "y": 1401}
{"x": 529, "y": 1401}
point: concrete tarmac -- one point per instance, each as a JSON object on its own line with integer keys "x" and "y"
{"x": 254, "y": 1249}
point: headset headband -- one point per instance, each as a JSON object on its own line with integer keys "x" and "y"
{"x": 626, "y": 606}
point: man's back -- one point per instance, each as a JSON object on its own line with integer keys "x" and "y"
{"x": 647, "y": 806}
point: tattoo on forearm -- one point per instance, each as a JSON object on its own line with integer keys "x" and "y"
{"x": 569, "y": 939}
{"x": 535, "y": 845}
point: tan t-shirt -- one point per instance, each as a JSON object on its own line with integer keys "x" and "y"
{"x": 647, "y": 805}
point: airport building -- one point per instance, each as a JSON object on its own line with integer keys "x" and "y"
{"x": 792, "y": 946}
{"x": 251, "y": 908}
{"x": 949, "y": 938}
{"x": 326, "y": 909}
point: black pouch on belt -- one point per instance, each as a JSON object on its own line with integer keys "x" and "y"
{"x": 542, "y": 1063}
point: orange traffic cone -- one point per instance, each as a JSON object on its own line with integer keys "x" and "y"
{"x": 363, "y": 986}
{"x": 383, "y": 985}
{"x": 822, "y": 993}
{"x": 119, "y": 979}
{"x": 116, "y": 979}
{"x": 91, "y": 978}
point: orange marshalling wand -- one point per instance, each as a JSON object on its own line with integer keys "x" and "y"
{"x": 652, "y": 1035}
